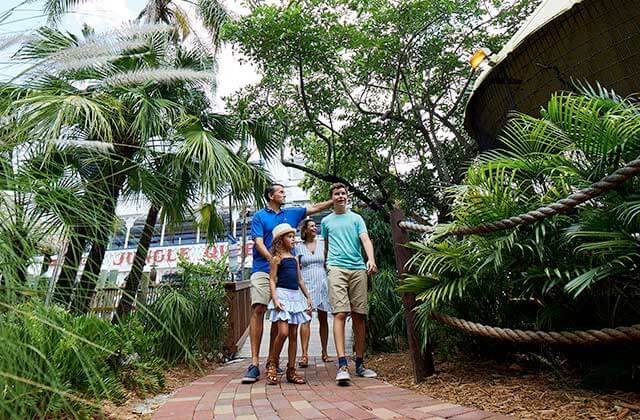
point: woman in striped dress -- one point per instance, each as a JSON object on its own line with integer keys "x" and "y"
{"x": 310, "y": 253}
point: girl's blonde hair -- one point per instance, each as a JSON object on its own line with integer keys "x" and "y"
{"x": 277, "y": 246}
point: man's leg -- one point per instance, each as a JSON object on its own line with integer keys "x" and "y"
{"x": 255, "y": 331}
{"x": 259, "y": 299}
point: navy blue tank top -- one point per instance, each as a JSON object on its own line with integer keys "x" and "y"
{"x": 288, "y": 274}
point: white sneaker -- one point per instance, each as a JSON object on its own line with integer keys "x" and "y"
{"x": 363, "y": 372}
{"x": 343, "y": 375}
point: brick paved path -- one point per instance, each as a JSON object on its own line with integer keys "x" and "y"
{"x": 222, "y": 396}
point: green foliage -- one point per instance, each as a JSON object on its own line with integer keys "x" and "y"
{"x": 56, "y": 365}
{"x": 386, "y": 329}
{"x": 189, "y": 317}
{"x": 577, "y": 270}
{"x": 359, "y": 88}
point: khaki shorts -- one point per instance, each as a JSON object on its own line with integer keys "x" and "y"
{"x": 347, "y": 290}
{"x": 260, "y": 290}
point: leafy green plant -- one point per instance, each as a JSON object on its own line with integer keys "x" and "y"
{"x": 189, "y": 317}
{"x": 577, "y": 270}
{"x": 57, "y": 365}
{"x": 386, "y": 328}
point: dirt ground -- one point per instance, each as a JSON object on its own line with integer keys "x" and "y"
{"x": 509, "y": 389}
{"x": 176, "y": 377}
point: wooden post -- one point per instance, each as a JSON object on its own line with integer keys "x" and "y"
{"x": 422, "y": 361}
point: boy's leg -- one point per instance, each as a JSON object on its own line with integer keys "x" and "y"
{"x": 359, "y": 309}
{"x": 359, "y": 332}
{"x": 338, "y": 332}
{"x": 338, "y": 283}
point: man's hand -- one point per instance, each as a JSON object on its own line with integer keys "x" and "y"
{"x": 372, "y": 268}
{"x": 279, "y": 306}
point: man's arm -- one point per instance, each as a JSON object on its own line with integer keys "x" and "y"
{"x": 368, "y": 249}
{"x": 318, "y": 207}
{"x": 259, "y": 242}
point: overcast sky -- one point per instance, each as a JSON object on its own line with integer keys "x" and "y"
{"x": 102, "y": 16}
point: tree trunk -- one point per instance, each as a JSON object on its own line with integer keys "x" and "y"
{"x": 70, "y": 264}
{"x": 125, "y": 306}
{"x": 422, "y": 361}
{"x": 91, "y": 271}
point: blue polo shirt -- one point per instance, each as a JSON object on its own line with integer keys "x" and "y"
{"x": 262, "y": 226}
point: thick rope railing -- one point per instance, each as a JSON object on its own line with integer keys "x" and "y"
{"x": 588, "y": 337}
{"x": 607, "y": 183}
{"x": 585, "y": 338}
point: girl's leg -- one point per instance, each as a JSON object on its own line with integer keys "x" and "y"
{"x": 324, "y": 332}
{"x": 293, "y": 344}
{"x": 283, "y": 332}
{"x": 305, "y": 335}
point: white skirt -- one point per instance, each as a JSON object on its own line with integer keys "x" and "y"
{"x": 295, "y": 307}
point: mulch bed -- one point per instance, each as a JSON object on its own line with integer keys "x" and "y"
{"x": 508, "y": 389}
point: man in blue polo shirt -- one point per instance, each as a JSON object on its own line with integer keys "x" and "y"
{"x": 262, "y": 225}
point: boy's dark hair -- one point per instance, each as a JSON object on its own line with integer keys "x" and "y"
{"x": 337, "y": 186}
{"x": 270, "y": 190}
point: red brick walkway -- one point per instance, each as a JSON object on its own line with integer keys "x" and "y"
{"x": 222, "y": 396}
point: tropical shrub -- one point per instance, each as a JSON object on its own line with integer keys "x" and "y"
{"x": 57, "y": 365}
{"x": 189, "y": 317}
{"x": 575, "y": 270}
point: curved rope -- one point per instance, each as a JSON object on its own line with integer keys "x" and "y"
{"x": 630, "y": 170}
{"x": 415, "y": 226}
{"x": 588, "y": 337}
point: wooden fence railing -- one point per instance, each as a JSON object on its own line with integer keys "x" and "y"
{"x": 105, "y": 301}
{"x": 239, "y": 298}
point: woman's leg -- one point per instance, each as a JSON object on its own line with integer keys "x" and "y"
{"x": 324, "y": 331}
{"x": 305, "y": 335}
{"x": 293, "y": 344}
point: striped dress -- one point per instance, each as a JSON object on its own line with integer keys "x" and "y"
{"x": 314, "y": 274}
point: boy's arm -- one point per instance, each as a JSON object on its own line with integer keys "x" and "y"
{"x": 368, "y": 249}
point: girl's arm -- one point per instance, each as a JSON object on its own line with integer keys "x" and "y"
{"x": 273, "y": 273}
{"x": 303, "y": 287}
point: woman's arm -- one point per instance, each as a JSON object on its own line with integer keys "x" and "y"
{"x": 305, "y": 292}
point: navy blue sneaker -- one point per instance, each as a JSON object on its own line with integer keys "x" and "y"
{"x": 252, "y": 375}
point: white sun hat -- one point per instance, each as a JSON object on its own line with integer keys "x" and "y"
{"x": 282, "y": 229}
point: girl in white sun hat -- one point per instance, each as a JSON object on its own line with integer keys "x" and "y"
{"x": 291, "y": 304}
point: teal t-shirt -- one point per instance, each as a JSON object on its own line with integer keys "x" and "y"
{"x": 343, "y": 232}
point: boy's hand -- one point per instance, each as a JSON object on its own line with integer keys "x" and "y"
{"x": 372, "y": 268}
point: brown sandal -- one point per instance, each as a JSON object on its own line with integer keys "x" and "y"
{"x": 272, "y": 373}
{"x": 293, "y": 377}
{"x": 326, "y": 358}
{"x": 304, "y": 362}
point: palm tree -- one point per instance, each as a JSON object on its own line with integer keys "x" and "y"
{"x": 111, "y": 92}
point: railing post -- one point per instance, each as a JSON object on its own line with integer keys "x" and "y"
{"x": 422, "y": 361}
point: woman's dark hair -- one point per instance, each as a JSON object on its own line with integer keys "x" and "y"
{"x": 270, "y": 190}
{"x": 304, "y": 228}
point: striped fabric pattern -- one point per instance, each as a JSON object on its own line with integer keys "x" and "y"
{"x": 314, "y": 274}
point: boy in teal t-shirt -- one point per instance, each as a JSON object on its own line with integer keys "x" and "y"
{"x": 344, "y": 232}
